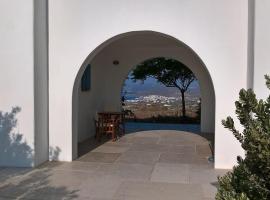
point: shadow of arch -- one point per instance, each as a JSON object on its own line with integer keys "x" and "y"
{"x": 206, "y": 118}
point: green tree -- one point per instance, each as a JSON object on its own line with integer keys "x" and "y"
{"x": 169, "y": 72}
{"x": 250, "y": 179}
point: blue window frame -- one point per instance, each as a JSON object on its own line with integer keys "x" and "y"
{"x": 86, "y": 79}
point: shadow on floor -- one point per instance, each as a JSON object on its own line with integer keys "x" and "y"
{"x": 35, "y": 184}
{"x": 90, "y": 144}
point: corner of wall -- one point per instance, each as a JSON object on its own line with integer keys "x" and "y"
{"x": 41, "y": 81}
{"x": 250, "y": 44}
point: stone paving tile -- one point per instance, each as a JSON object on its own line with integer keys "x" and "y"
{"x": 88, "y": 167}
{"x": 110, "y": 149}
{"x": 94, "y": 198}
{"x": 208, "y": 166}
{"x": 101, "y": 199}
{"x": 203, "y": 150}
{"x": 117, "y": 143}
{"x": 182, "y": 149}
{"x": 181, "y": 159}
{"x": 183, "y": 139}
{"x": 11, "y": 191}
{"x": 139, "y": 157}
{"x": 197, "y": 139}
{"x": 50, "y": 196}
{"x": 150, "y": 148}
{"x": 60, "y": 179}
{"x": 205, "y": 174}
{"x": 122, "y": 171}
{"x": 158, "y": 191}
{"x": 145, "y": 140}
{"x": 209, "y": 191}
{"x": 100, "y": 187}
{"x": 170, "y": 173}
{"x": 99, "y": 157}
{"x": 155, "y": 134}
{"x": 7, "y": 198}
{"x": 175, "y": 141}
{"x": 172, "y": 133}
{"x": 47, "y": 184}
{"x": 8, "y": 174}
{"x": 202, "y": 176}
{"x": 19, "y": 186}
{"x": 177, "y": 134}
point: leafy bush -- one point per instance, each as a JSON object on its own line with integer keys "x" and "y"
{"x": 250, "y": 179}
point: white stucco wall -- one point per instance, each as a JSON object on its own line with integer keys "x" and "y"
{"x": 24, "y": 80}
{"x": 215, "y": 30}
{"x": 262, "y": 47}
{"x": 17, "y": 73}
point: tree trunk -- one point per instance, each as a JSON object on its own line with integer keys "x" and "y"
{"x": 183, "y": 104}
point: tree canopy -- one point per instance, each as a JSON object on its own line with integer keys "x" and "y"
{"x": 167, "y": 71}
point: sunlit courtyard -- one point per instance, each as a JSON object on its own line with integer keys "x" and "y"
{"x": 148, "y": 165}
{"x": 134, "y": 100}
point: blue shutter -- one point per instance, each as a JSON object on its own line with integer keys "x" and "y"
{"x": 86, "y": 79}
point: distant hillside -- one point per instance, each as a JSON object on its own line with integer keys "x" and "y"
{"x": 151, "y": 87}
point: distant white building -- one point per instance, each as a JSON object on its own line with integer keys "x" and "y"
{"x": 62, "y": 61}
{"x": 154, "y": 99}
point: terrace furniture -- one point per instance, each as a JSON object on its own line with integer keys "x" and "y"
{"x": 110, "y": 123}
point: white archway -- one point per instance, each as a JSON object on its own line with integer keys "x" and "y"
{"x": 130, "y": 49}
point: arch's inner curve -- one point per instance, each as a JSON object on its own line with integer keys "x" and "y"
{"x": 107, "y": 78}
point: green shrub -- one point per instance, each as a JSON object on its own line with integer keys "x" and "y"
{"x": 250, "y": 179}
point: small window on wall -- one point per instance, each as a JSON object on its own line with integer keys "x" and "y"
{"x": 86, "y": 79}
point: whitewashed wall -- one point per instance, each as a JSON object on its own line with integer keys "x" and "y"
{"x": 215, "y": 30}
{"x": 24, "y": 81}
{"x": 261, "y": 47}
{"x": 17, "y": 77}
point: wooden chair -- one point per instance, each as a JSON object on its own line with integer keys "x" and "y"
{"x": 109, "y": 125}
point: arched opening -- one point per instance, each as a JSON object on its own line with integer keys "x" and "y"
{"x": 161, "y": 94}
{"x": 106, "y": 78}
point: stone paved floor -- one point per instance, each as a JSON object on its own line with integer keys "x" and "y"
{"x": 149, "y": 165}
